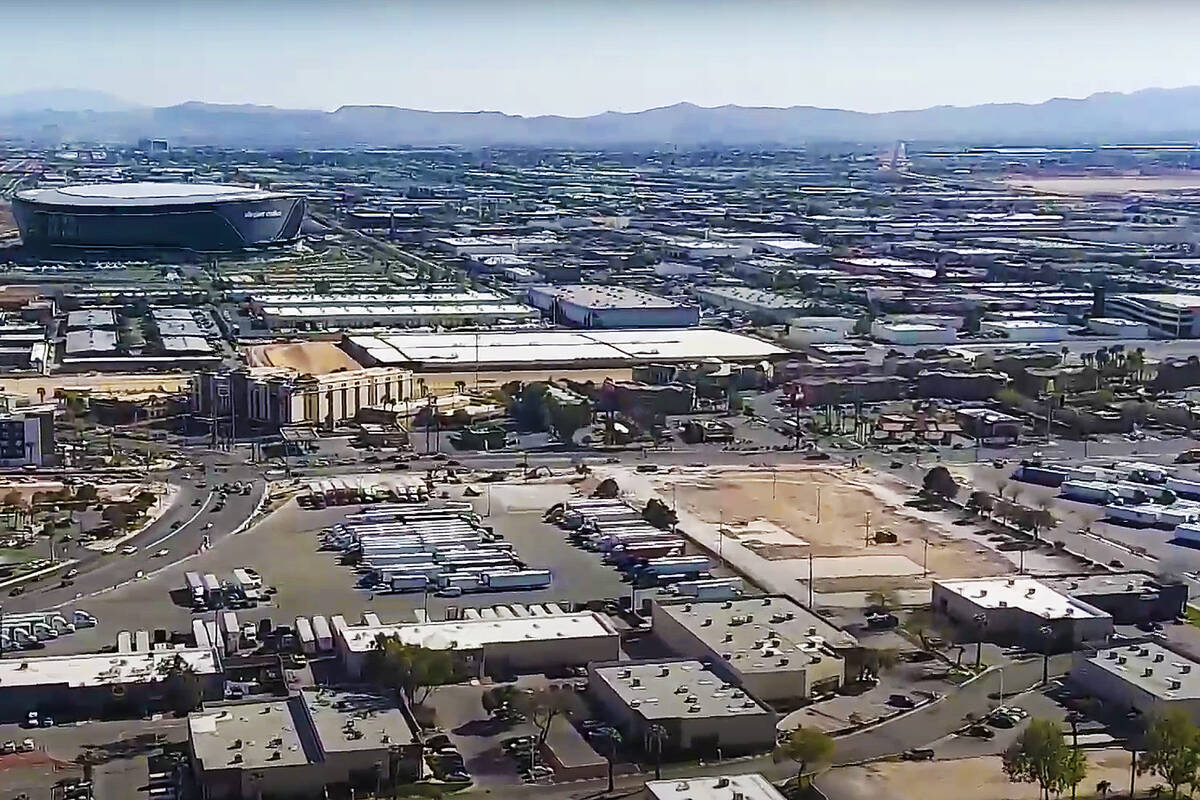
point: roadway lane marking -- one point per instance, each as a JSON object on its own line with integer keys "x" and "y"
{"x": 190, "y": 520}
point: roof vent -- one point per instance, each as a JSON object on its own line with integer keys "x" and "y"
{"x": 1147, "y": 672}
{"x": 1158, "y": 657}
{"x": 664, "y": 672}
{"x": 707, "y": 622}
{"x": 237, "y": 758}
{"x": 722, "y": 782}
{"x": 1185, "y": 669}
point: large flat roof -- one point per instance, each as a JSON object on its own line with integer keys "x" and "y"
{"x": 102, "y": 669}
{"x": 1163, "y": 673}
{"x": 675, "y": 689}
{"x": 751, "y": 786}
{"x": 602, "y": 297}
{"x": 758, "y": 634}
{"x": 641, "y": 346}
{"x": 143, "y": 194}
{"x": 473, "y": 634}
{"x": 1029, "y": 595}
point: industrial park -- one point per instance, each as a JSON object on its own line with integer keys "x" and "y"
{"x": 693, "y": 453}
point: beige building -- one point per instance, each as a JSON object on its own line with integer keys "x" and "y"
{"x": 509, "y": 639}
{"x": 699, "y": 712}
{"x": 1145, "y": 677}
{"x": 771, "y": 646}
{"x": 297, "y": 746}
{"x": 750, "y": 786}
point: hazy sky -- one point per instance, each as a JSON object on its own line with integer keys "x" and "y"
{"x": 577, "y": 57}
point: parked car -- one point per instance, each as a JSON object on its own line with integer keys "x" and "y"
{"x": 901, "y": 701}
{"x": 980, "y": 732}
{"x": 917, "y": 754}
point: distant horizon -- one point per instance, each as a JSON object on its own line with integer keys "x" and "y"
{"x": 584, "y": 57}
{"x": 116, "y": 96}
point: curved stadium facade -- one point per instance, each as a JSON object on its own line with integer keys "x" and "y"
{"x": 185, "y": 216}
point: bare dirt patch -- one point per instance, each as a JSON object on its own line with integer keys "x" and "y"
{"x": 1108, "y": 184}
{"x": 311, "y": 358}
{"x": 851, "y": 503}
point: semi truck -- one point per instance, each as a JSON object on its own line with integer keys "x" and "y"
{"x": 195, "y": 587}
{"x": 709, "y": 589}
{"x": 213, "y": 595}
{"x": 523, "y": 579}
{"x": 304, "y": 633}
{"x": 407, "y": 583}
{"x": 664, "y": 566}
{"x": 323, "y": 633}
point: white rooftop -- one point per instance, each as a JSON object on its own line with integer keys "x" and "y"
{"x": 1171, "y": 676}
{"x": 101, "y": 669}
{"x": 675, "y": 689}
{"x": 473, "y": 634}
{"x": 751, "y": 786}
{"x": 1028, "y": 595}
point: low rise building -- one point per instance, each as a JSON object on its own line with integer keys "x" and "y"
{"x": 299, "y": 746}
{"x": 699, "y": 711}
{"x": 1130, "y": 597}
{"x": 771, "y": 646}
{"x": 913, "y": 333}
{"x": 1118, "y": 326}
{"x": 1174, "y": 315}
{"x": 1146, "y": 677}
{"x": 91, "y": 685}
{"x": 1025, "y": 330}
{"x": 27, "y": 437}
{"x": 603, "y": 306}
{"x": 758, "y": 303}
{"x": 1022, "y": 611}
{"x": 750, "y": 786}
{"x": 533, "y": 639}
{"x": 989, "y": 425}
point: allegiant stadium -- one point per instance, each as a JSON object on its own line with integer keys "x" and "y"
{"x": 185, "y": 216}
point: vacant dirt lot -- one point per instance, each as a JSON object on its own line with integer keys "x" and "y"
{"x": 777, "y": 516}
{"x": 115, "y": 383}
{"x": 982, "y": 778}
{"x": 1108, "y": 184}
{"x": 313, "y": 358}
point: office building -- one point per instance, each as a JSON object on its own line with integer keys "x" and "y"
{"x": 700, "y": 712}
{"x": 1172, "y": 315}
{"x": 1130, "y": 597}
{"x": 27, "y": 437}
{"x": 771, "y": 646}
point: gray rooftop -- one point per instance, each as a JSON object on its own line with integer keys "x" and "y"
{"x": 1126, "y": 583}
{"x": 1154, "y": 669}
{"x": 300, "y": 730}
{"x": 758, "y": 632}
{"x": 144, "y": 194}
{"x": 676, "y": 689}
{"x": 605, "y": 297}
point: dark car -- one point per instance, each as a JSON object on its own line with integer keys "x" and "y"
{"x": 1149, "y": 627}
{"x": 901, "y": 701}
{"x": 917, "y": 754}
{"x": 980, "y": 732}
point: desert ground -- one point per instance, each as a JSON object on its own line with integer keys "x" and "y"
{"x": 312, "y": 358}
{"x": 1108, "y": 184}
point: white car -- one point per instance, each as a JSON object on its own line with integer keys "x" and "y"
{"x": 129, "y": 549}
{"x": 161, "y": 553}
{"x": 71, "y": 573}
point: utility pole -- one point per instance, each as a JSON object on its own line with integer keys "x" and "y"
{"x": 867, "y": 527}
{"x": 925, "y": 560}
{"x": 810, "y": 578}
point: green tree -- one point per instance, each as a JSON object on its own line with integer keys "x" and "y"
{"x": 1041, "y": 755}
{"x": 939, "y": 482}
{"x": 862, "y": 325}
{"x": 541, "y": 706}
{"x": 1172, "y": 751}
{"x": 415, "y": 672}
{"x": 86, "y": 493}
{"x": 499, "y": 697}
{"x": 807, "y": 747}
{"x": 181, "y": 686}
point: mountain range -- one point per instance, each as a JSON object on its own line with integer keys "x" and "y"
{"x": 81, "y": 115}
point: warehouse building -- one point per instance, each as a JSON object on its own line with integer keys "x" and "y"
{"x": 1130, "y": 597}
{"x": 97, "y": 318}
{"x": 1117, "y": 326}
{"x": 566, "y": 350}
{"x": 91, "y": 342}
{"x": 601, "y": 306}
{"x": 531, "y": 639}
{"x": 301, "y": 745}
{"x": 701, "y": 713}
{"x": 1143, "y": 677}
{"x": 1025, "y": 330}
{"x": 913, "y": 333}
{"x": 771, "y": 646}
{"x": 396, "y": 315}
{"x": 751, "y": 786}
{"x": 1021, "y": 611}
{"x": 91, "y": 685}
{"x": 758, "y": 303}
